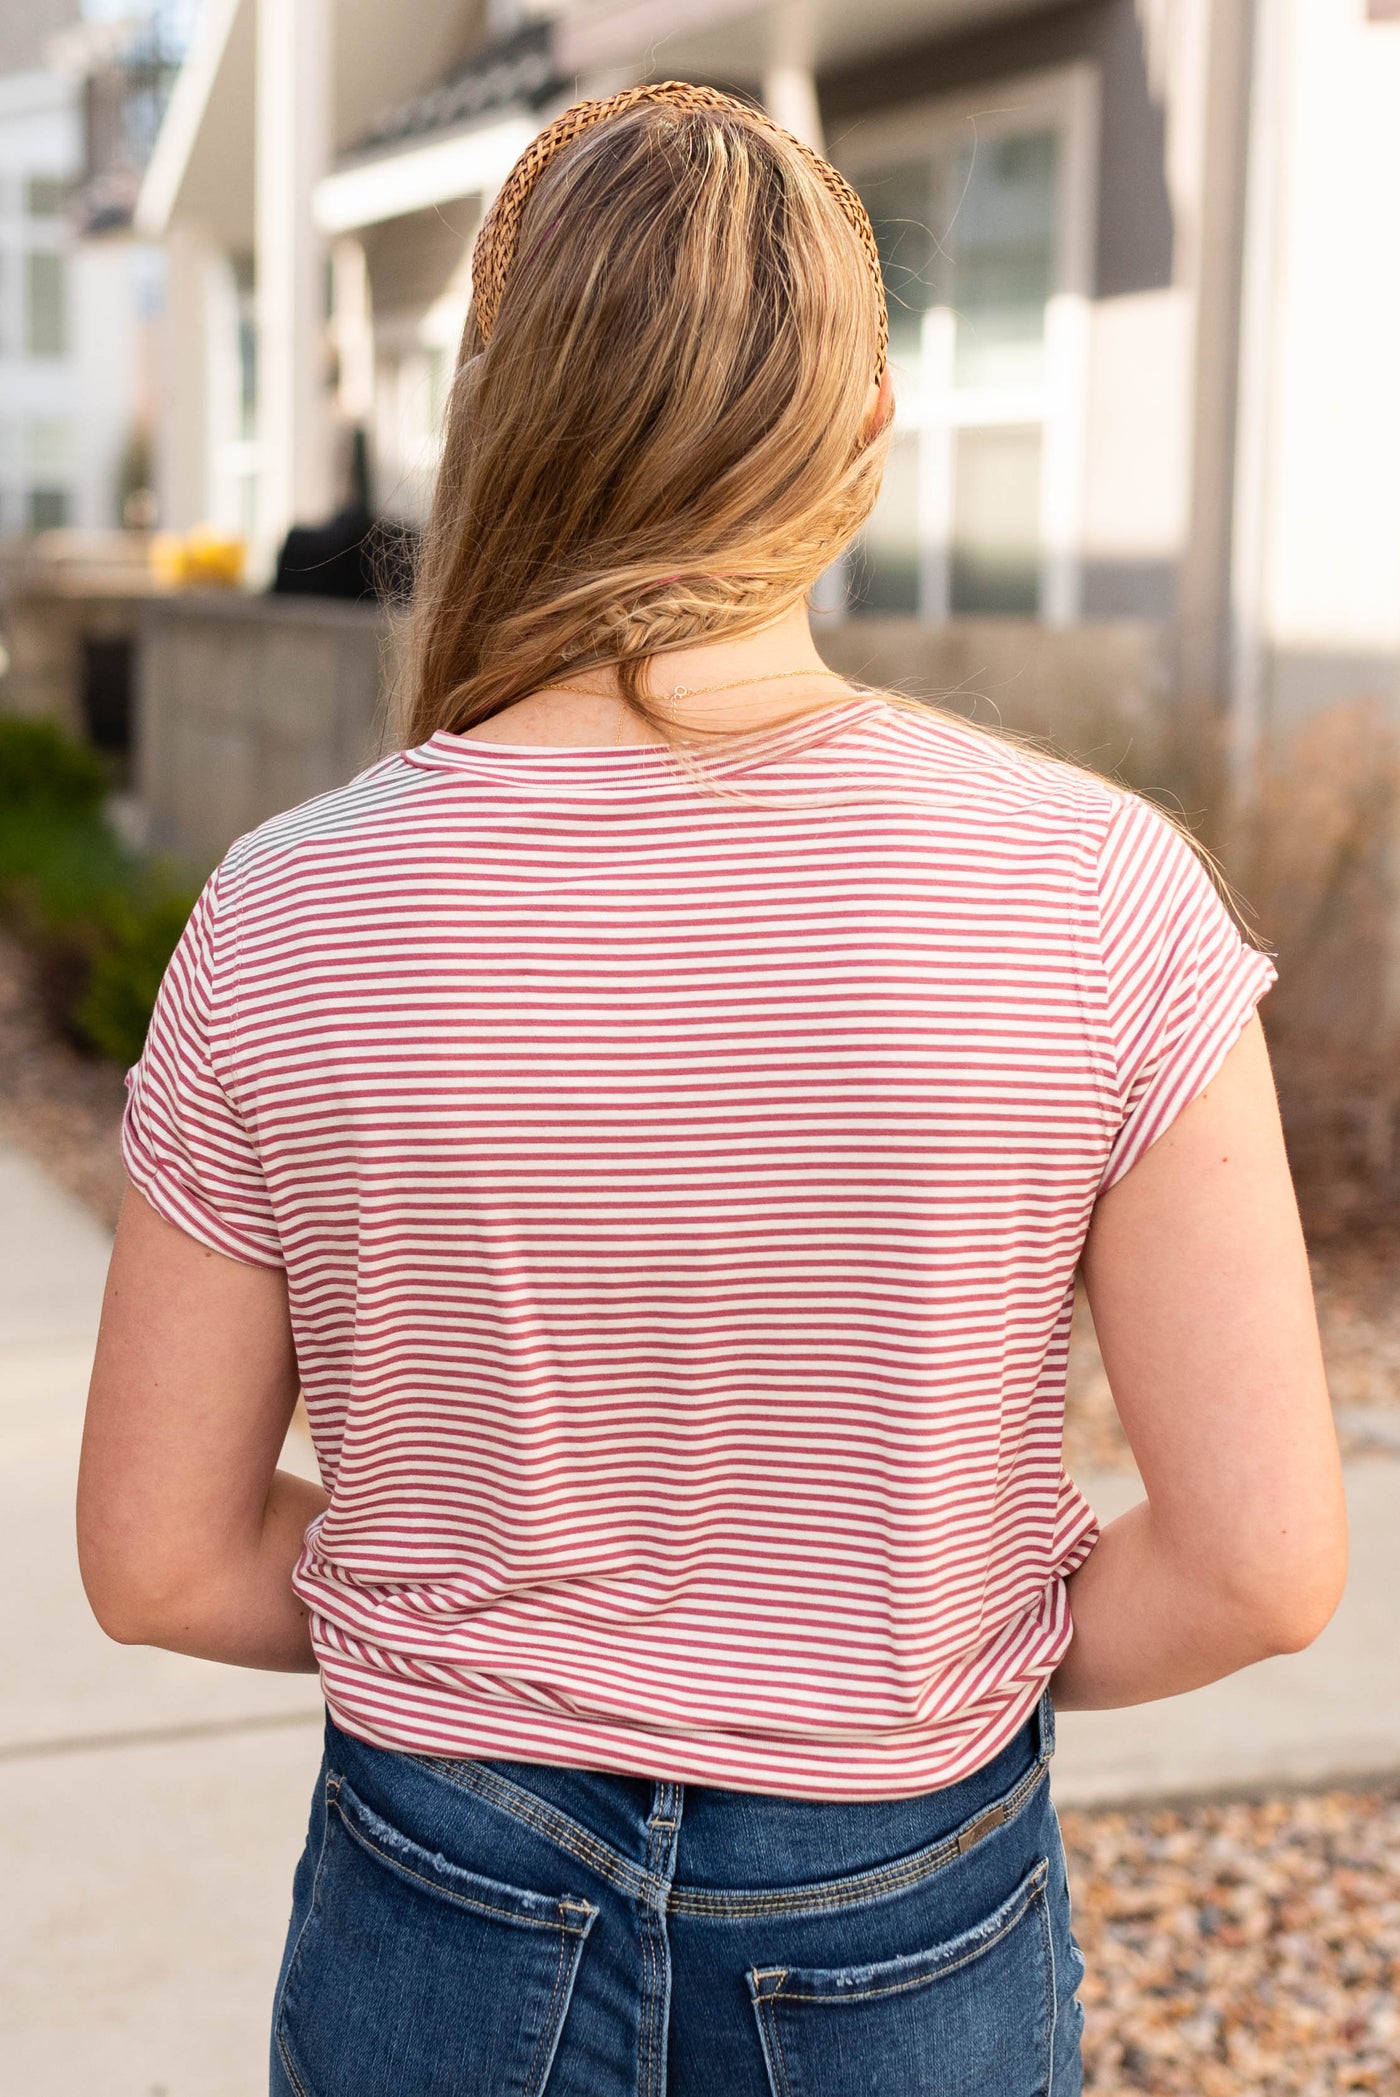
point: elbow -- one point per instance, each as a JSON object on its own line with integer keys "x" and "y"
{"x": 126, "y": 1617}
{"x": 125, "y": 1630}
{"x": 125, "y": 1604}
{"x": 1294, "y": 1607}
{"x": 1267, "y": 1585}
{"x": 1303, "y": 1620}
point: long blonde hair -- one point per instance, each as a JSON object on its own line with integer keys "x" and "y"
{"x": 661, "y": 442}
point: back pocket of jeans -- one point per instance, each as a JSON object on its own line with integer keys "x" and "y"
{"x": 415, "y": 1978}
{"x": 971, "y": 2017}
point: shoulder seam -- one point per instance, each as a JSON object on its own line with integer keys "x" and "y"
{"x": 224, "y": 909}
{"x": 1119, "y": 799}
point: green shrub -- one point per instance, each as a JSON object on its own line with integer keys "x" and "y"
{"x": 114, "y": 1008}
{"x": 99, "y": 920}
{"x": 59, "y": 870}
{"x": 41, "y": 768}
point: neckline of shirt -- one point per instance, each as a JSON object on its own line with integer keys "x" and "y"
{"x": 627, "y": 764}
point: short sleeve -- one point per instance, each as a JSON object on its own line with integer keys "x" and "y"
{"x": 1181, "y": 981}
{"x": 185, "y": 1144}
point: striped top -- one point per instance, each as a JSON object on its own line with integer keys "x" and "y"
{"x": 680, "y": 1197}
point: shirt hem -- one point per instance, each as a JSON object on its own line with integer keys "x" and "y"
{"x": 790, "y": 1769}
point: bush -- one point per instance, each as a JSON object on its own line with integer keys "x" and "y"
{"x": 42, "y": 770}
{"x": 1316, "y": 852}
{"x": 1312, "y": 853}
{"x": 100, "y": 920}
{"x": 114, "y": 1009}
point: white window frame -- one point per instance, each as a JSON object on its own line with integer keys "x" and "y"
{"x": 1065, "y": 99}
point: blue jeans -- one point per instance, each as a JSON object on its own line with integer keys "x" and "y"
{"x": 499, "y": 1929}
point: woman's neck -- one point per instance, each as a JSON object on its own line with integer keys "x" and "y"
{"x": 757, "y": 669}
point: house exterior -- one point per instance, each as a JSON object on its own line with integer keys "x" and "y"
{"x": 1145, "y": 302}
{"x": 70, "y": 313}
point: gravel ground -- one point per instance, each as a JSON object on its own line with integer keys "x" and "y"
{"x": 62, "y": 1107}
{"x": 1240, "y": 1950}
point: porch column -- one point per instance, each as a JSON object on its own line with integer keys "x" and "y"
{"x": 183, "y": 465}
{"x": 789, "y": 78}
{"x": 291, "y": 154}
{"x": 1212, "y": 238}
{"x": 352, "y": 326}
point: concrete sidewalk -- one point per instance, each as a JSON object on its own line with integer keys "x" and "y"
{"x": 157, "y": 1804}
{"x": 1330, "y": 1714}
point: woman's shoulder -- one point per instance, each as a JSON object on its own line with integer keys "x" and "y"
{"x": 344, "y": 816}
{"x": 998, "y": 773}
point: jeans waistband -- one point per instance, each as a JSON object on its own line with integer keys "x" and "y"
{"x": 676, "y": 1844}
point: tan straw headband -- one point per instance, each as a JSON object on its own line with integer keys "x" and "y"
{"x": 493, "y": 256}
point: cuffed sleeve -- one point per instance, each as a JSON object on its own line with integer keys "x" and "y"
{"x": 185, "y": 1143}
{"x": 1181, "y": 981}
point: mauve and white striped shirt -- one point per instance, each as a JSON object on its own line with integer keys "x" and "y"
{"x": 680, "y": 1202}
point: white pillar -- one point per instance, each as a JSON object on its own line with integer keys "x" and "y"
{"x": 1255, "y": 435}
{"x": 291, "y": 154}
{"x": 352, "y": 325}
{"x": 182, "y": 348}
{"x": 789, "y": 79}
{"x": 230, "y": 450}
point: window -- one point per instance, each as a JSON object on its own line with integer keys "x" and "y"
{"x": 46, "y": 305}
{"x": 46, "y": 196}
{"x": 981, "y": 211}
{"x": 48, "y": 509}
{"x": 47, "y": 472}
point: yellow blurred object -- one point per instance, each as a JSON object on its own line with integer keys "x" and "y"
{"x": 197, "y": 559}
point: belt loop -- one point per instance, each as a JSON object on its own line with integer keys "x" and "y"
{"x": 1045, "y": 1726}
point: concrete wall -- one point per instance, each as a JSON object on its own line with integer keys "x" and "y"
{"x": 58, "y": 593}
{"x": 247, "y": 706}
{"x": 1098, "y": 691}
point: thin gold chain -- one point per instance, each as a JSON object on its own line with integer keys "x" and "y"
{"x": 688, "y": 691}
{"x": 694, "y": 691}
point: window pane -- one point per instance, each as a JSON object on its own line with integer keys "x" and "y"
{"x": 886, "y": 568}
{"x": 48, "y": 448}
{"x": 46, "y": 196}
{"x": 995, "y": 563}
{"x": 48, "y": 508}
{"x": 1003, "y": 240}
{"x": 46, "y": 334}
{"x": 900, "y": 203}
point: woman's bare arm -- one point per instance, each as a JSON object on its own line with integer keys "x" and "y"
{"x": 187, "y": 1531}
{"x": 1197, "y": 1275}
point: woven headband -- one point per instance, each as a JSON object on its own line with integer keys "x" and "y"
{"x": 497, "y": 244}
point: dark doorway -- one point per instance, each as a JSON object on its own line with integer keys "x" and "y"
{"x": 106, "y": 699}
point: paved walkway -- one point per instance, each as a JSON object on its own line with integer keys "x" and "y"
{"x": 156, "y": 1804}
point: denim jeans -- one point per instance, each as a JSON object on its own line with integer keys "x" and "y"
{"x": 502, "y": 1929}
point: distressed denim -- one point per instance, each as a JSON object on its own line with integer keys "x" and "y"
{"x": 502, "y": 1929}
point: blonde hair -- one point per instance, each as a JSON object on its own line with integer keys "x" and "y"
{"x": 660, "y": 441}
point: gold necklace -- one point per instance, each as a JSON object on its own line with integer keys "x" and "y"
{"x": 689, "y": 691}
